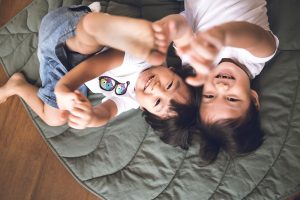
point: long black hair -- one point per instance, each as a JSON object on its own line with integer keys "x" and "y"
{"x": 175, "y": 130}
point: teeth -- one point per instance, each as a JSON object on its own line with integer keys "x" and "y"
{"x": 148, "y": 82}
{"x": 225, "y": 76}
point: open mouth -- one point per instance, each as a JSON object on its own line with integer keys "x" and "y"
{"x": 148, "y": 82}
{"x": 225, "y": 76}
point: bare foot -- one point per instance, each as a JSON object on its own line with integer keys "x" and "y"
{"x": 12, "y": 86}
{"x": 135, "y": 36}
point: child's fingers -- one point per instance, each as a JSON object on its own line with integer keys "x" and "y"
{"x": 85, "y": 106}
{"x": 74, "y": 119}
{"x": 202, "y": 70}
{"x": 204, "y": 49}
{"x": 200, "y": 66}
{"x": 160, "y": 36}
{"x": 75, "y": 125}
{"x": 196, "y": 80}
{"x": 190, "y": 55}
{"x": 157, "y": 27}
{"x": 81, "y": 121}
{"x": 211, "y": 39}
{"x": 80, "y": 113}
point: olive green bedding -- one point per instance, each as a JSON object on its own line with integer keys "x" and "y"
{"x": 126, "y": 160}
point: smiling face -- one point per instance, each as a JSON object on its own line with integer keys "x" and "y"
{"x": 226, "y": 94}
{"x": 157, "y": 86}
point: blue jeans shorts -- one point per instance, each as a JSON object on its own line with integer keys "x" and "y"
{"x": 56, "y": 27}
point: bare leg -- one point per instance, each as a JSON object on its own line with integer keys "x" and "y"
{"x": 17, "y": 85}
{"x": 134, "y": 36}
{"x": 82, "y": 42}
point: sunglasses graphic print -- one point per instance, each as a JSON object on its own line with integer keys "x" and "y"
{"x": 108, "y": 84}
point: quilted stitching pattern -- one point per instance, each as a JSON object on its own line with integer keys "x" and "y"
{"x": 135, "y": 164}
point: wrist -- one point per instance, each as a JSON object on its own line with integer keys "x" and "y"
{"x": 97, "y": 119}
{"x": 60, "y": 88}
{"x": 92, "y": 122}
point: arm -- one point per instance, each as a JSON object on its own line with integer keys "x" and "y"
{"x": 85, "y": 71}
{"x": 251, "y": 37}
{"x": 103, "y": 113}
{"x": 83, "y": 114}
{"x": 206, "y": 45}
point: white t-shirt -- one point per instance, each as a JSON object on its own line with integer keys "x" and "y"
{"x": 204, "y": 14}
{"x": 127, "y": 72}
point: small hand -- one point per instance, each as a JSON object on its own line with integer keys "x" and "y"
{"x": 201, "y": 66}
{"x": 163, "y": 34}
{"x": 65, "y": 100}
{"x": 201, "y": 53}
{"x": 81, "y": 114}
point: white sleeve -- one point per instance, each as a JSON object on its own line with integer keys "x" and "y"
{"x": 254, "y": 64}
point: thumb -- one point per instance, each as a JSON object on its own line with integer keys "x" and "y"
{"x": 197, "y": 80}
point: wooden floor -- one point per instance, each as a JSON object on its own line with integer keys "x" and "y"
{"x": 28, "y": 168}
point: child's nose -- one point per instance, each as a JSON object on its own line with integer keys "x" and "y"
{"x": 222, "y": 86}
{"x": 158, "y": 89}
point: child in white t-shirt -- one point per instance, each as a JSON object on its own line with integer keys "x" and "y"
{"x": 73, "y": 51}
{"x": 227, "y": 43}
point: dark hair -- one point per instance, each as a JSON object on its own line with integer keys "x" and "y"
{"x": 234, "y": 136}
{"x": 176, "y": 129}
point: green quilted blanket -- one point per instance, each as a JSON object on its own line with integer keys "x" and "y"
{"x": 126, "y": 159}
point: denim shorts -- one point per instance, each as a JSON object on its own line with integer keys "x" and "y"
{"x": 56, "y": 27}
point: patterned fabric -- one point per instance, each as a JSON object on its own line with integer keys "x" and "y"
{"x": 126, "y": 159}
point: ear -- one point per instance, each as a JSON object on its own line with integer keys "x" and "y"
{"x": 255, "y": 99}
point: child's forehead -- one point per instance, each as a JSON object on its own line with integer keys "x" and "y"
{"x": 233, "y": 63}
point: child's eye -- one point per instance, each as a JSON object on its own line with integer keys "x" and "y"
{"x": 208, "y": 96}
{"x": 232, "y": 99}
{"x": 157, "y": 102}
{"x": 170, "y": 85}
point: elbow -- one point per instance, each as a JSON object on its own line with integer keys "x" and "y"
{"x": 269, "y": 44}
{"x": 272, "y": 42}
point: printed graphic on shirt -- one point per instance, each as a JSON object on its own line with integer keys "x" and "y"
{"x": 108, "y": 84}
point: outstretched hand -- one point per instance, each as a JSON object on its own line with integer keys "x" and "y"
{"x": 76, "y": 108}
{"x": 161, "y": 43}
{"x": 66, "y": 99}
{"x": 163, "y": 34}
{"x": 201, "y": 53}
{"x": 81, "y": 113}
